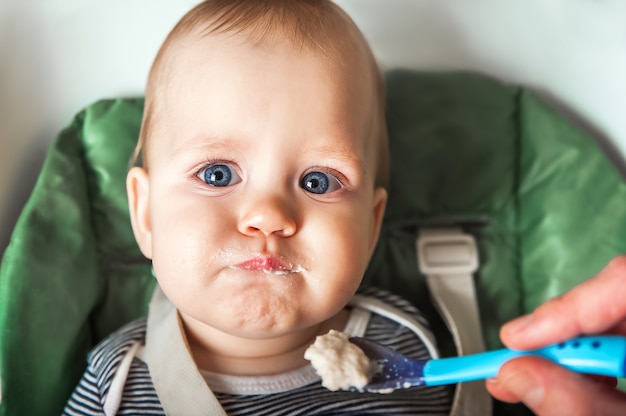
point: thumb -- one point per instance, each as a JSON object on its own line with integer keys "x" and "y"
{"x": 550, "y": 390}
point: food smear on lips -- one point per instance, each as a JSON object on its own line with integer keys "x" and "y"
{"x": 341, "y": 364}
{"x": 269, "y": 265}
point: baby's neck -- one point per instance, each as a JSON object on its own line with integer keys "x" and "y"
{"x": 226, "y": 354}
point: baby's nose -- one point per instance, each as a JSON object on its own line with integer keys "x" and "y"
{"x": 271, "y": 215}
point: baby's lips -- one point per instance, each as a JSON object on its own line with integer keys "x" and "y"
{"x": 266, "y": 264}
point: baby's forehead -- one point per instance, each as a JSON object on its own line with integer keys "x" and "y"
{"x": 333, "y": 94}
{"x": 350, "y": 71}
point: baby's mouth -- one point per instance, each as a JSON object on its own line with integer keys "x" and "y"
{"x": 269, "y": 265}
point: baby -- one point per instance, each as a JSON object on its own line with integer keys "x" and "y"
{"x": 259, "y": 200}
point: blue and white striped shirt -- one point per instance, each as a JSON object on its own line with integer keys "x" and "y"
{"x": 295, "y": 393}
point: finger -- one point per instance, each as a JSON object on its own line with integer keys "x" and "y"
{"x": 499, "y": 392}
{"x": 594, "y": 306}
{"x": 550, "y": 390}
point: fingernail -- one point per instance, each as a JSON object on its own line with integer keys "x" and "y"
{"x": 524, "y": 385}
{"x": 518, "y": 325}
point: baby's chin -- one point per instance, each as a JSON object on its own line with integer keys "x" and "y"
{"x": 257, "y": 317}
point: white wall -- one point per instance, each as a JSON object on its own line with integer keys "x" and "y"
{"x": 56, "y": 56}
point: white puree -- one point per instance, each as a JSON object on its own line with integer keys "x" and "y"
{"x": 341, "y": 364}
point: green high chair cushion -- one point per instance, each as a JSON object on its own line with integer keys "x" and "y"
{"x": 463, "y": 148}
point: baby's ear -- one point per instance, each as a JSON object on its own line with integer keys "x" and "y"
{"x": 138, "y": 189}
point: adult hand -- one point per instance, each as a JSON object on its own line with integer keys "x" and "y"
{"x": 596, "y": 306}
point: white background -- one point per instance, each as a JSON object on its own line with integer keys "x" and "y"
{"x": 57, "y": 56}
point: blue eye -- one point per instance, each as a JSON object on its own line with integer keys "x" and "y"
{"x": 319, "y": 183}
{"x": 219, "y": 175}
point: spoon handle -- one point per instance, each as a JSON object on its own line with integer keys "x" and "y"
{"x": 602, "y": 355}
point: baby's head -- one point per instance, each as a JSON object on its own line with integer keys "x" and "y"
{"x": 264, "y": 152}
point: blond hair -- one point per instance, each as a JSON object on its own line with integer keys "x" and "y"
{"x": 319, "y": 26}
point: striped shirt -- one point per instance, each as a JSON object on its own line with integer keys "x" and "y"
{"x": 295, "y": 393}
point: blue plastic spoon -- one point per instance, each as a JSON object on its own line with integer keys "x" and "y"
{"x": 602, "y": 355}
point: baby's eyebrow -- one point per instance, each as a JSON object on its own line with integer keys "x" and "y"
{"x": 201, "y": 144}
{"x": 341, "y": 155}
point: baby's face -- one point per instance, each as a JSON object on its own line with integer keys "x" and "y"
{"x": 260, "y": 207}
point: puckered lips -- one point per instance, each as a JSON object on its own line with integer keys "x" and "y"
{"x": 269, "y": 265}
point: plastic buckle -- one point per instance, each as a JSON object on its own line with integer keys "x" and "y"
{"x": 446, "y": 251}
